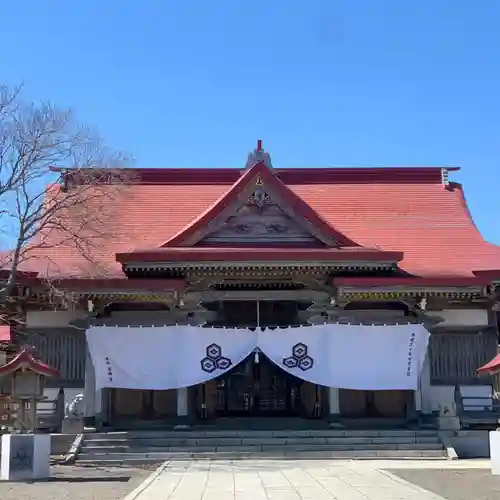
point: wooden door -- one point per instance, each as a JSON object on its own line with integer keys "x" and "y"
{"x": 391, "y": 404}
{"x": 352, "y": 403}
{"x": 258, "y": 389}
{"x": 126, "y": 403}
{"x": 373, "y": 404}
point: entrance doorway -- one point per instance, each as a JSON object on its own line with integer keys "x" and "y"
{"x": 257, "y": 387}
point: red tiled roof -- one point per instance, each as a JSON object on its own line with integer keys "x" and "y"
{"x": 489, "y": 274}
{"x": 220, "y": 254}
{"x": 405, "y": 210}
{"x": 490, "y": 368}
{"x": 25, "y": 359}
{"x": 122, "y": 283}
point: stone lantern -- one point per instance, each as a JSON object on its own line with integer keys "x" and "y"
{"x": 26, "y": 455}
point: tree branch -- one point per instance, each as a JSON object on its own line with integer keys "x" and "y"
{"x": 55, "y": 175}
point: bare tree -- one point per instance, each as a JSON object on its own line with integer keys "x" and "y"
{"x": 54, "y": 176}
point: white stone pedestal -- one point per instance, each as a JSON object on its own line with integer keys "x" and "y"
{"x": 25, "y": 457}
{"x": 449, "y": 423}
{"x": 495, "y": 452}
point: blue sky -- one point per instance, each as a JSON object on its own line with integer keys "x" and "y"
{"x": 193, "y": 83}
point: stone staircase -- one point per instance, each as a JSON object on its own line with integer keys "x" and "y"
{"x": 139, "y": 447}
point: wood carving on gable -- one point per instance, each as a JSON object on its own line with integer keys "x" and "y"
{"x": 260, "y": 220}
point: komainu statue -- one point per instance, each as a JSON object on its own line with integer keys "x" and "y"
{"x": 76, "y": 408}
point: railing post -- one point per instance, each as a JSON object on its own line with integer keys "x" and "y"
{"x": 459, "y": 407}
{"x": 59, "y": 407}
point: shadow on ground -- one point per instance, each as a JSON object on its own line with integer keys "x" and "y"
{"x": 76, "y": 479}
{"x": 102, "y": 479}
{"x": 454, "y": 484}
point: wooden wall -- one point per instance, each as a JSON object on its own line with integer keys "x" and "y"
{"x": 62, "y": 348}
{"x": 455, "y": 357}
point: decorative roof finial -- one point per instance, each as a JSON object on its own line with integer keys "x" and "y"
{"x": 258, "y": 155}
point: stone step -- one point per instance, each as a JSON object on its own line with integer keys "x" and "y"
{"x": 188, "y": 441}
{"x": 102, "y": 450}
{"x": 138, "y": 458}
{"x": 215, "y": 441}
{"x": 326, "y": 433}
{"x": 154, "y": 446}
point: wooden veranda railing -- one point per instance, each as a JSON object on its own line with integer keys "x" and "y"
{"x": 477, "y": 411}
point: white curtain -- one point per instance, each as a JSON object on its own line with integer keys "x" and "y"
{"x": 165, "y": 358}
{"x": 350, "y": 357}
{"x": 347, "y": 357}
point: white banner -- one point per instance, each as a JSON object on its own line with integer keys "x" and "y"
{"x": 165, "y": 358}
{"x": 348, "y": 357}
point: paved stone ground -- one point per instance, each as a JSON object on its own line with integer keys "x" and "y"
{"x": 288, "y": 480}
{"x": 454, "y": 484}
{"x": 78, "y": 483}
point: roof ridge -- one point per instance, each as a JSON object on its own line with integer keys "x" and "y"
{"x": 294, "y": 175}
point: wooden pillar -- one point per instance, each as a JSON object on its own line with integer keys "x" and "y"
{"x": 103, "y": 406}
{"x": 182, "y": 407}
{"x": 423, "y": 397}
{"x": 333, "y": 404}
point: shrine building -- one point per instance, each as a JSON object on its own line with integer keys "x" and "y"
{"x": 260, "y": 247}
